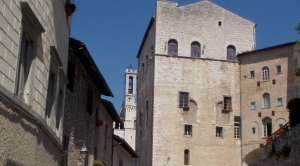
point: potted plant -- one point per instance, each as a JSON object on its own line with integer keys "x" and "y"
{"x": 70, "y": 9}
{"x": 98, "y": 163}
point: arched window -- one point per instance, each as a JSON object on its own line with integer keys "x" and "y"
{"x": 130, "y": 85}
{"x": 265, "y": 73}
{"x": 267, "y": 126}
{"x": 173, "y": 47}
{"x": 231, "y": 53}
{"x": 266, "y": 100}
{"x": 195, "y": 49}
{"x": 186, "y": 156}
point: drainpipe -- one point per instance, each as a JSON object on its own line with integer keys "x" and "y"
{"x": 241, "y": 113}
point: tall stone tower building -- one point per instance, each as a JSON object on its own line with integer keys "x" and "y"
{"x": 188, "y": 107}
{"x": 127, "y": 130}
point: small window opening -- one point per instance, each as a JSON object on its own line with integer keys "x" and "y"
{"x": 237, "y": 120}
{"x": 186, "y": 156}
{"x": 253, "y": 106}
{"x": 252, "y": 74}
{"x": 188, "y": 130}
{"x": 227, "y": 103}
{"x": 278, "y": 68}
{"x": 219, "y": 132}
{"x": 183, "y": 99}
{"x": 220, "y": 23}
{"x": 253, "y": 130}
{"x": 130, "y": 85}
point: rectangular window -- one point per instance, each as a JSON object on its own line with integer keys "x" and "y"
{"x": 105, "y": 135}
{"x": 237, "y": 120}
{"x": 89, "y": 105}
{"x": 278, "y": 69}
{"x": 296, "y": 64}
{"x": 186, "y": 156}
{"x": 227, "y": 103}
{"x": 253, "y": 130}
{"x": 188, "y": 130}
{"x": 258, "y": 83}
{"x": 183, "y": 99}
{"x": 253, "y": 105}
{"x": 219, "y": 132}
{"x": 280, "y": 103}
{"x": 252, "y": 74}
{"x": 50, "y": 93}
{"x": 71, "y": 75}
{"x": 24, "y": 67}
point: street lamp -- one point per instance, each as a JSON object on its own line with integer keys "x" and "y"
{"x": 83, "y": 152}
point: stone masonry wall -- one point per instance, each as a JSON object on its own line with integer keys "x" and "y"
{"x": 199, "y": 22}
{"x": 283, "y": 88}
{"x": 78, "y": 123}
{"x": 144, "y": 123}
{"x": 206, "y": 81}
{"x": 289, "y": 139}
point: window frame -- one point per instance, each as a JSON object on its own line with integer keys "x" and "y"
{"x": 278, "y": 102}
{"x": 267, "y": 127}
{"x": 278, "y": 69}
{"x": 227, "y": 103}
{"x": 237, "y": 127}
{"x": 173, "y": 47}
{"x": 231, "y": 53}
{"x": 252, "y": 74}
{"x": 265, "y": 73}
{"x": 266, "y": 100}
{"x": 89, "y": 99}
{"x": 253, "y": 104}
{"x": 188, "y": 130}
{"x": 219, "y": 132}
{"x": 183, "y": 99}
{"x": 195, "y": 49}
{"x": 186, "y": 157}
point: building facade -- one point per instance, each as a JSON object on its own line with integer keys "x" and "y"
{"x": 33, "y": 56}
{"x": 188, "y": 107}
{"x": 267, "y": 83}
{"x": 104, "y": 132}
{"x": 83, "y": 101}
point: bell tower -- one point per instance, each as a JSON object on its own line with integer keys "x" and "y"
{"x": 126, "y": 130}
{"x": 130, "y": 86}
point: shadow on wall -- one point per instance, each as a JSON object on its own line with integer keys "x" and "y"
{"x": 19, "y": 133}
{"x": 253, "y": 157}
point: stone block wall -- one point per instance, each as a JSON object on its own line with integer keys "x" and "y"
{"x": 199, "y": 21}
{"x": 290, "y": 139}
{"x": 206, "y": 81}
{"x": 78, "y": 123}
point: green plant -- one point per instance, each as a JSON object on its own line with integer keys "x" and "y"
{"x": 294, "y": 111}
{"x": 98, "y": 163}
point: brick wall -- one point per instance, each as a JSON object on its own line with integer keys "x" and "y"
{"x": 283, "y": 88}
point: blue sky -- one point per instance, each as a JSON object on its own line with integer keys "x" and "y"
{"x": 113, "y": 30}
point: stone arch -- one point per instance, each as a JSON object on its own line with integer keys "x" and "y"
{"x": 253, "y": 135}
{"x": 190, "y": 115}
{"x": 278, "y": 123}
